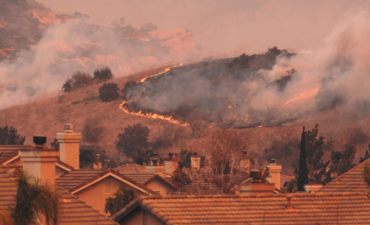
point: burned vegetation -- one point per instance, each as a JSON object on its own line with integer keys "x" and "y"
{"x": 218, "y": 92}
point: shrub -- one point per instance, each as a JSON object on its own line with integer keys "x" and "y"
{"x": 108, "y": 92}
{"x": 103, "y": 74}
{"x": 79, "y": 79}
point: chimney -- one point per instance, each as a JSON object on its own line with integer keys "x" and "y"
{"x": 170, "y": 164}
{"x": 99, "y": 164}
{"x": 69, "y": 146}
{"x": 256, "y": 186}
{"x": 275, "y": 171}
{"x": 40, "y": 162}
{"x": 312, "y": 187}
{"x": 154, "y": 166}
{"x": 195, "y": 161}
{"x": 245, "y": 163}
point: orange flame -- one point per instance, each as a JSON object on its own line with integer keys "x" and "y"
{"x": 153, "y": 115}
{"x": 306, "y": 94}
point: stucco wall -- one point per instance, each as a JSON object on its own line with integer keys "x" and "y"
{"x": 95, "y": 195}
{"x": 156, "y": 185}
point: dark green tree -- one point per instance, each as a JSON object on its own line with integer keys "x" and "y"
{"x": 180, "y": 178}
{"x": 89, "y": 156}
{"x": 33, "y": 198}
{"x": 10, "y": 136}
{"x": 342, "y": 161}
{"x": 314, "y": 149}
{"x": 103, "y": 74}
{"x": 79, "y": 79}
{"x": 291, "y": 188}
{"x": 134, "y": 140}
{"x": 108, "y": 92}
{"x": 366, "y": 156}
{"x": 124, "y": 195}
{"x": 54, "y": 144}
{"x": 303, "y": 170}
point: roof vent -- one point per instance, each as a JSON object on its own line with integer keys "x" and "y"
{"x": 273, "y": 162}
{"x": 170, "y": 154}
{"x": 39, "y": 141}
{"x": 257, "y": 176}
{"x": 68, "y": 128}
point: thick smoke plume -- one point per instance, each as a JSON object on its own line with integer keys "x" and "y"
{"x": 268, "y": 89}
{"x": 62, "y": 47}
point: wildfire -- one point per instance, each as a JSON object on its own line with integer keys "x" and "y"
{"x": 306, "y": 94}
{"x": 165, "y": 70}
{"x": 153, "y": 115}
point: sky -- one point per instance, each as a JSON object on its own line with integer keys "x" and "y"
{"x": 226, "y": 28}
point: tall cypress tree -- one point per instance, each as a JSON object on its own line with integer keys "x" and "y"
{"x": 303, "y": 171}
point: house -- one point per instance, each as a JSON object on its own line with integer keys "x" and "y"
{"x": 319, "y": 208}
{"x": 40, "y": 163}
{"x": 94, "y": 186}
{"x": 154, "y": 182}
{"x": 350, "y": 181}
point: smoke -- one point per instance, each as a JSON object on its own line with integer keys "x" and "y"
{"x": 272, "y": 88}
{"x": 79, "y": 44}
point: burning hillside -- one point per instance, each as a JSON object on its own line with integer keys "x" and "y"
{"x": 267, "y": 89}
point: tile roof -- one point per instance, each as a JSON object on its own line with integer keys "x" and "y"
{"x": 72, "y": 211}
{"x": 163, "y": 180}
{"x": 139, "y": 177}
{"x": 8, "y": 152}
{"x": 334, "y": 208}
{"x": 80, "y": 178}
{"x": 350, "y": 181}
{"x": 131, "y": 168}
{"x": 65, "y": 165}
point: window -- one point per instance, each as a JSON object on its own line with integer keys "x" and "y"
{"x": 107, "y": 187}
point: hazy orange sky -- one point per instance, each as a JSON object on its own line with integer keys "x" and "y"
{"x": 226, "y": 27}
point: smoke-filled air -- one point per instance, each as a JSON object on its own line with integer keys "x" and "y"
{"x": 41, "y": 49}
{"x": 269, "y": 88}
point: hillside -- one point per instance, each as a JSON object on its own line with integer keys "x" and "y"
{"x": 48, "y": 115}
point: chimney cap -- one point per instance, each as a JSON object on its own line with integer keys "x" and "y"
{"x": 39, "y": 140}
{"x": 195, "y": 153}
{"x": 170, "y": 154}
{"x": 272, "y": 161}
{"x": 68, "y": 128}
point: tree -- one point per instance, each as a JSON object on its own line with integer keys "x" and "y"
{"x": 10, "y": 136}
{"x": 367, "y": 155}
{"x": 79, "y": 79}
{"x": 302, "y": 171}
{"x": 134, "y": 140}
{"x": 314, "y": 149}
{"x": 91, "y": 131}
{"x": 33, "y": 198}
{"x": 290, "y": 188}
{"x": 108, "y": 92}
{"x": 342, "y": 161}
{"x": 103, "y": 74}
{"x": 88, "y": 156}
{"x": 124, "y": 195}
{"x": 180, "y": 178}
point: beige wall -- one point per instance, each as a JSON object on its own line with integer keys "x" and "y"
{"x": 157, "y": 185}
{"x": 95, "y": 195}
{"x": 153, "y": 221}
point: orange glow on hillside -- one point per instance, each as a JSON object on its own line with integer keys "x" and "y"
{"x": 305, "y": 95}
{"x": 153, "y": 115}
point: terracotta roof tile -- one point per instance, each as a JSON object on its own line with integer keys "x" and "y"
{"x": 350, "y": 181}
{"x": 131, "y": 168}
{"x": 72, "y": 211}
{"x": 77, "y": 179}
{"x": 139, "y": 177}
{"x": 347, "y": 208}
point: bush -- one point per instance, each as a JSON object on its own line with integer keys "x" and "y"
{"x": 79, "y": 79}
{"x": 108, "y": 92}
{"x": 134, "y": 140}
{"x": 103, "y": 74}
{"x": 10, "y": 136}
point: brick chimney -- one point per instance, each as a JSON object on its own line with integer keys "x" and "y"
{"x": 275, "y": 171}
{"x": 40, "y": 162}
{"x": 195, "y": 161}
{"x": 69, "y": 146}
{"x": 170, "y": 163}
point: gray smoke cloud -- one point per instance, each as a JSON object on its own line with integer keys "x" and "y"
{"x": 269, "y": 91}
{"x": 79, "y": 44}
